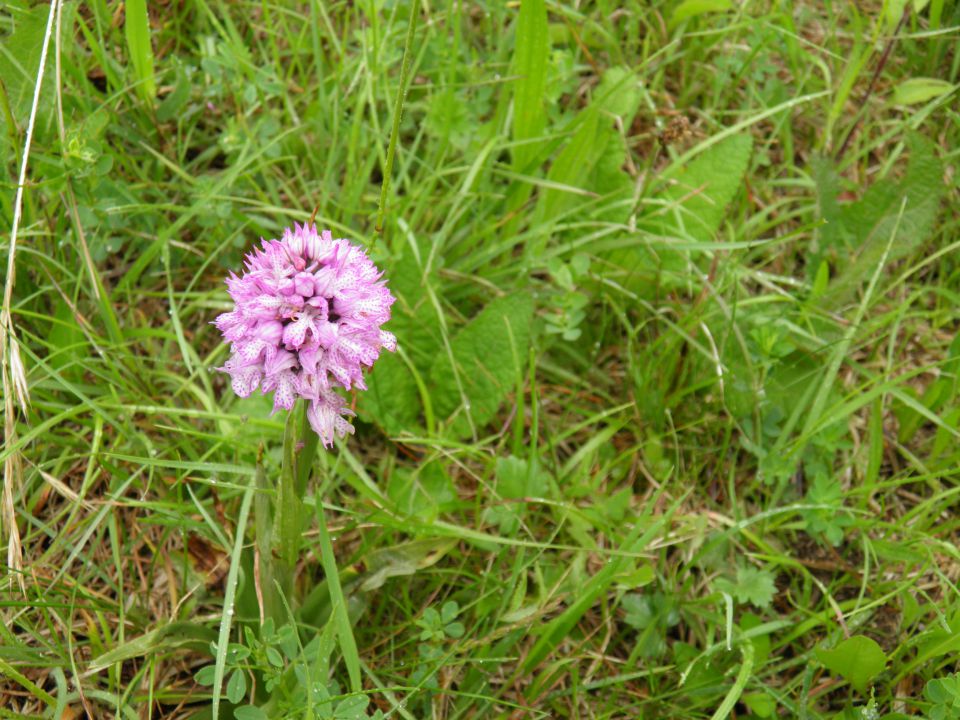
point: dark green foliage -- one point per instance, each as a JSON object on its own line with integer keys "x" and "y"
{"x": 855, "y": 235}
{"x": 857, "y": 659}
{"x": 483, "y": 363}
{"x": 686, "y": 211}
{"x": 944, "y": 696}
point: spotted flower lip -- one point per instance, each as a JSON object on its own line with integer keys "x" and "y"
{"x": 307, "y": 317}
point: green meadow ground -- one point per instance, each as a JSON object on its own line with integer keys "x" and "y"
{"x": 672, "y": 432}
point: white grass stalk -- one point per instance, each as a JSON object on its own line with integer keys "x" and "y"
{"x": 14, "y": 374}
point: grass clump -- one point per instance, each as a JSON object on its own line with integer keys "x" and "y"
{"x": 672, "y": 429}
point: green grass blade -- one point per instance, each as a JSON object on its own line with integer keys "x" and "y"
{"x": 137, "y": 31}
{"x": 743, "y": 676}
{"x": 842, "y": 348}
{"x": 558, "y": 628}
{"x": 530, "y": 65}
{"x": 6, "y": 669}
{"x": 348, "y": 644}
{"x": 229, "y": 596}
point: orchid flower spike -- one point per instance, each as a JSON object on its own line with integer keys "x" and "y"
{"x": 307, "y": 319}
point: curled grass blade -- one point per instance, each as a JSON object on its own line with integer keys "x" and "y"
{"x": 229, "y": 595}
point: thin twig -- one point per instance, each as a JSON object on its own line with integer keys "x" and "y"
{"x": 14, "y": 376}
{"x": 881, "y": 64}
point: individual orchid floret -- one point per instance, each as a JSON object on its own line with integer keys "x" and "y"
{"x": 307, "y": 318}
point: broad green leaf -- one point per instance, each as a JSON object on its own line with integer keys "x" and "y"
{"x": 249, "y": 712}
{"x": 449, "y": 611}
{"x": 423, "y": 491}
{"x": 893, "y": 11}
{"x": 168, "y": 637}
{"x": 205, "y": 675}
{"x": 137, "y": 31}
{"x": 944, "y": 693}
{"x": 753, "y": 586}
{"x": 516, "y": 479}
{"x": 19, "y": 61}
{"x": 913, "y": 91}
{"x": 858, "y": 233}
{"x": 274, "y": 657}
{"x": 571, "y": 169}
{"x": 637, "y": 578}
{"x": 352, "y": 708}
{"x": 652, "y": 615}
{"x": 404, "y": 559}
{"x": 619, "y": 93}
{"x": 392, "y": 398}
{"x": 488, "y": 357}
{"x": 693, "y": 8}
{"x": 691, "y": 206}
{"x": 530, "y": 66}
{"x": 697, "y": 196}
{"x": 593, "y": 158}
{"x": 450, "y": 118}
{"x": 760, "y": 704}
{"x": 937, "y": 643}
{"x": 237, "y": 686}
{"x": 857, "y": 659}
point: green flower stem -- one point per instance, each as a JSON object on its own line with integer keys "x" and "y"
{"x": 266, "y": 568}
{"x": 297, "y": 460}
{"x": 279, "y": 516}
